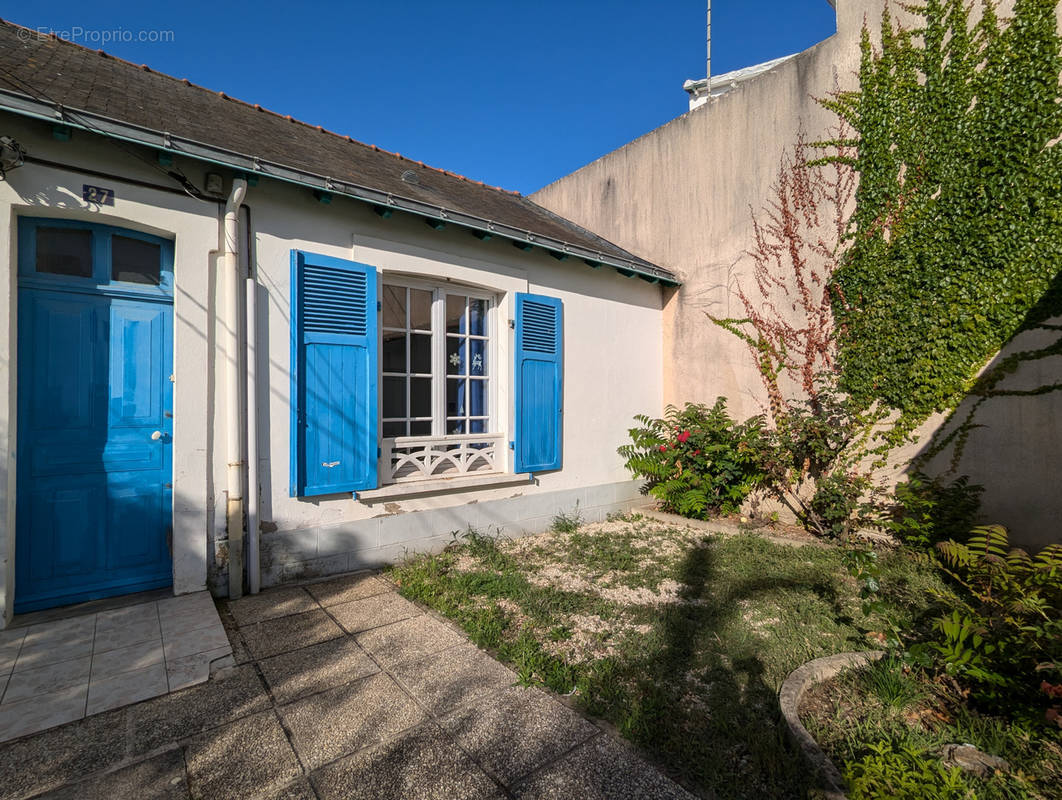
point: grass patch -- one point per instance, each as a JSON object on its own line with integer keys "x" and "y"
{"x": 679, "y": 639}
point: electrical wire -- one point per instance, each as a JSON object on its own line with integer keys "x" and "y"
{"x": 174, "y": 174}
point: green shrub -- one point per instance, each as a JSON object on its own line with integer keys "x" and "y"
{"x": 890, "y": 772}
{"x": 815, "y": 464}
{"x": 698, "y": 461}
{"x": 832, "y": 510}
{"x": 927, "y": 510}
{"x": 1003, "y": 639}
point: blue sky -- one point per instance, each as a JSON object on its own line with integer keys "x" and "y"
{"x": 514, "y": 94}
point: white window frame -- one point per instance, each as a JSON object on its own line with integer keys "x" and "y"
{"x": 453, "y": 452}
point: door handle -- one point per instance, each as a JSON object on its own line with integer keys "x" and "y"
{"x": 156, "y": 436}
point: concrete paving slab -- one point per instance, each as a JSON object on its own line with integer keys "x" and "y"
{"x": 49, "y": 678}
{"x": 42, "y": 711}
{"x": 283, "y": 634}
{"x": 408, "y": 639}
{"x": 451, "y": 678}
{"x": 115, "y": 636}
{"x": 126, "y": 659}
{"x": 225, "y": 697}
{"x": 316, "y": 668}
{"x": 158, "y": 778}
{"x": 347, "y": 588}
{"x": 240, "y": 653}
{"x": 63, "y": 755}
{"x": 422, "y": 764}
{"x": 195, "y": 641}
{"x": 45, "y": 652}
{"x": 600, "y": 769}
{"x": 282, "y": 601}
{"x": 116, "y": 618}
{"x": 332, "y": 725}
{"x": 373, "y": 612}
{"x": 298, "y": 790}
{"x": 247, "y": 759}
{"x": 10, "y": 644}
{"x": 189, "y": 670}
{"x": 340, "y": 721}
{"x": 127, "y": 688}
{"x": 183, "y": 604}
{"x": 517, "y": 730}
{"x": 186, "y": 613}
{"x": 48, "y": 635}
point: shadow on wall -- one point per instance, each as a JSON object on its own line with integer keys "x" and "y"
{"x": 1006, "y": 434}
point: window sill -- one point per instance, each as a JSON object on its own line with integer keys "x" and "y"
{"x": 460, "y": 483}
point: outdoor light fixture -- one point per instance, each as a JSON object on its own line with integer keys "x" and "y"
{"x": 12, "y": 155}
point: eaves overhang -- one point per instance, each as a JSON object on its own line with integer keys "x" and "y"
{"x": 24, "y": 105}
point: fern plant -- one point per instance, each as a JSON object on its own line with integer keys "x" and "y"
{"x": 1003, "y": 635}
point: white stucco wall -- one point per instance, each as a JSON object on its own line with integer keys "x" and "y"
{"x": 612, "y": 363}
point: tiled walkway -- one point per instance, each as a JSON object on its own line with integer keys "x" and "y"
{"x": 342, "y": 690}
{"x": 55, "y": 672}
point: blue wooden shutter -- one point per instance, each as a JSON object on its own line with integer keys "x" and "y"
{"x": 539, "y": 389}
{"x": 333, "y": 375}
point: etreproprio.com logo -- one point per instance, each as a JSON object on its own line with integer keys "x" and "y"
{"x": 95, "y": 36}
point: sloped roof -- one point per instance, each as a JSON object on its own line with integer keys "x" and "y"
{"x": 50, "y": 78}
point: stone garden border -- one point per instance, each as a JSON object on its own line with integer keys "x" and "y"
{"x": 724, "y": 527}
{"x": 792, "y": 692}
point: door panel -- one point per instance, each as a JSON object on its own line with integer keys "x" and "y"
{"x": 66, "y": 530}
{"x": 133, "y": 506}
{"x": 94, "y": 496}
{"x": 137, "y": 338}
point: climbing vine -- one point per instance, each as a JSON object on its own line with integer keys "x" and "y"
{"x": 956, "y": 235}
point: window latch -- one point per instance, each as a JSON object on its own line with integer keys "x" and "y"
{"x": 512, "y": 324}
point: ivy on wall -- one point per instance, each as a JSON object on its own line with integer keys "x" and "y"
{"x": 957, "y": 229}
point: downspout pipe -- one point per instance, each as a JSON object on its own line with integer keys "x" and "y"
{"x": 233, "y": 411}
{"x": 254, "y": 565}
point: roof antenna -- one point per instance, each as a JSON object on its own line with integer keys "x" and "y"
{"x": 708, "y": 58}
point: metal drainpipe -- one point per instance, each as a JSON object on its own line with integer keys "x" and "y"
{"x": 253, "y": 559}
{"x": 234, "y": 417}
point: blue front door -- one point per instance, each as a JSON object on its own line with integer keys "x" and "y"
{"x": 95, "y": 350}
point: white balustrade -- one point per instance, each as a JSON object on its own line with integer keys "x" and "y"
{"x": 414, "y": 458}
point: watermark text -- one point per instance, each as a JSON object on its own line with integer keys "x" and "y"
{"x": 96, "y": 36}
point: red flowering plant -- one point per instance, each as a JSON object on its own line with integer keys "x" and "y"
{"x": 697, "y": 461}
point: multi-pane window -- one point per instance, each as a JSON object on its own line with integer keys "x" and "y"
{"x": 467, "y": 373}
{"x": 407, "y": 361}
{"x": 435, "y": 362}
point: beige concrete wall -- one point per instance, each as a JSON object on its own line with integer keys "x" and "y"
{"x": 682, "y": 196}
